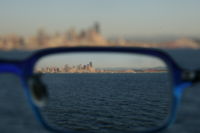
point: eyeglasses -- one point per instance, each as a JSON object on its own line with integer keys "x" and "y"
{"x": 102, "y": 89}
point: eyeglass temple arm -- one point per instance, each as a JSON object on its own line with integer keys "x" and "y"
{"x": 10, "y": 66}
{"x": 191, "y": 76}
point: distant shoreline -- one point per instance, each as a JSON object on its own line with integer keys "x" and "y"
{"x": 101, "y": 72}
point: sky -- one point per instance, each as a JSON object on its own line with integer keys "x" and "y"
{"x": 116, "y": 17}
{"x": 101, "y": 60}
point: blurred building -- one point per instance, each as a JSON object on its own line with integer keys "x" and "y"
{"x": 86, "y": 37}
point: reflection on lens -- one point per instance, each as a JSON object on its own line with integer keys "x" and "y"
{"x": 105, "y": 92}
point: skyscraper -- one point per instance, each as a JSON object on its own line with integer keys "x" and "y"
{"x": 97, "y": 27}
{"x": 90, "y": 64}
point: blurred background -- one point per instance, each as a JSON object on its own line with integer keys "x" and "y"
{"x": 28, "y": 25}
{"x": 38, "y": 24}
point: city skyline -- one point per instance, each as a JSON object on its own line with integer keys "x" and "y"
{"x": 126, "y": 18}
{"x": 88, "y": 68}
{"x": 101, "y": 60}
{"x": 91, "y": 36}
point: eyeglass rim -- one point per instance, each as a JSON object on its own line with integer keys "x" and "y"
{"x": 25, "y": 69}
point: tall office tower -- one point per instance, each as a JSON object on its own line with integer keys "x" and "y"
{"x": 72, "y": 35}
{"x": 97, "y": 27}
{"x": 90, "y": 64}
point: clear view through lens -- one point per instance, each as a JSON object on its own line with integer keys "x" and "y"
{"x": 105, "y": 92}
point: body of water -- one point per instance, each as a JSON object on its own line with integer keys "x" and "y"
{"x": 17, "y": 116}
{"x": 107, "y": 102}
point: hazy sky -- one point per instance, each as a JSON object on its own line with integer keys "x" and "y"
{"x": 117, "y": 17}
{"x": 101, "y": 60}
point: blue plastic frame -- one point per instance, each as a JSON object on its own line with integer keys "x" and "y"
{"x": 24, "y": 69}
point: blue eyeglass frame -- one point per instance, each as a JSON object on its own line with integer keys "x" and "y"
{"x": 24, "y": 69}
